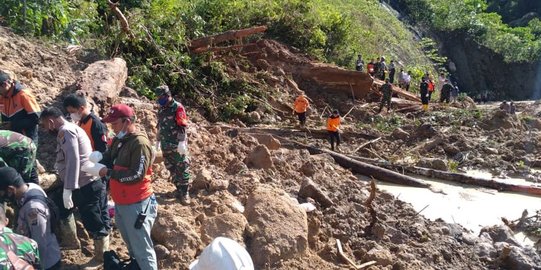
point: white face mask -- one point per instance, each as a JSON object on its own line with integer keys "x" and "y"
{"x": 76, "y": 117}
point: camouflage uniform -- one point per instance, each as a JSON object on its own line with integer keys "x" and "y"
{"x": 171, "y": 133}
{"x": 19, "y": 152}
{"x": 25, "y": 248}
{"x": 386, "y": 90}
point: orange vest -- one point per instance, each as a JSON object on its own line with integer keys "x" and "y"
{"x": 333, "y": 123}
{"x": 301, "y": 104}
{"x": 133, "y": 192}
{"x": 18, "y": 101}
{"x": 87, "y": 127}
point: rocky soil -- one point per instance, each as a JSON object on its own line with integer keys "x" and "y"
{"x": 252, "y": 187}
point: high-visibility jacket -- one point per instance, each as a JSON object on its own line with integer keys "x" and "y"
{"x": 301, "y": 104}
{"x": 333, "y": 123}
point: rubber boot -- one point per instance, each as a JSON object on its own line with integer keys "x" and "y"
{"x": 100, "y": 246}
{"x": 184, "y": 195}
{"x": 68, "y": 233}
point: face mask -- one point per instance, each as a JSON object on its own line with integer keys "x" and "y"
{"x": 121, "y": 134}
{"x": 163, "y": 100}
{"x": 76, "y": 117}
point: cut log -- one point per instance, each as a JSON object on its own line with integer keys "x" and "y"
{"x": 399, "y": 91}
{"x": 362, "y": 167}
{"x": 208, "y": 41}
{"x": 470, "y": 180}
{"x": 102, "y": 82}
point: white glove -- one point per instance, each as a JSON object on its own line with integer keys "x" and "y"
{"x": 182, "y": 147}
{"x": 93, "y": 168}
{"x": 66, "y": 196}
{"x": 95, "y": 156}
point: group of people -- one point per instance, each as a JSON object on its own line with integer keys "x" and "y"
{"x": 90, "y": 169}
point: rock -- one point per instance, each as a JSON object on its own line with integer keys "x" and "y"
{"x": 425, "y": 131}
{"x": 469, "y": 238}
{"x": 450, "y": 149}
{"x": 278, "y": 227}
{"x": 534, "y": 123}
{"x": 259, "y": 158}
{"x": 433, "y": 163}
{"x": 218, "y": 184}
{"x": 185, "y": 242}
{"x": 517, "y": 258}
{"x": 254, "y": 117}
{"x": 161, "y": 252}
{"x": 310, "y": 189}
{"x": 202, "y": 180}
{"x": 128, "y": 92}
{"x": 268, "y": 140}
{"x": 399, "y": 133}
{"x": 308, "y": 169}
{"x": 236, "y": 166}
{"x": 228, "y": 224}
{"x": 501, "y": 233}
{"x": 382, "y": 256}
{"x": 215, "y": 130}
{"x": 485, "y": 250}
{"x": 501, "y": 120}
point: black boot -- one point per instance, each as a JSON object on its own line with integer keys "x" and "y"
{"x": 183, "y": 194}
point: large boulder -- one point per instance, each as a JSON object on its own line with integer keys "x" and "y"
{"x": 278, "y": 227}
{"x": 268, "y": 140}
{"x": 228, "y": 224}
{"x": 186, "y": 241}
{"x": 259, "y": 158}
{"x": 102, "y": 81}
{"x": 309, "y": 189}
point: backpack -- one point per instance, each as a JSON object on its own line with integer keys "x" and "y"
{"x": 370, "y": 68}
{"x": 111, "y": 261}
{"x": 54, "y": 212}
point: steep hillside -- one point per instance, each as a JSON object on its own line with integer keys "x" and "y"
{"x": 490, "y": 55}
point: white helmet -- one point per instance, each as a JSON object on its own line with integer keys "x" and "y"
{"x": 223, "y": 254}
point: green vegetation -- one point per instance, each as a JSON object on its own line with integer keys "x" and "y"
{"x": 452, "y": 165}
{"x": 157, "y": 53}
{"x": 516, "y": 44}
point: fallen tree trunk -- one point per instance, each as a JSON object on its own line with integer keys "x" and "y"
{"x": 362, "y": 167}
{"x": 208, "y": 41}
{"x": 102, "y": 81}
{"x": 470, "y": 180}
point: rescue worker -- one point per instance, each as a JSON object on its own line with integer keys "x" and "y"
{"x": 21, "y": 111}
{"x": 382, "y": 69}
{"x": 19, "y": 152}
{"x": 392, "y": 71}
{"x": 301, "y": 105}
{"x": 424, "y": 94}
{"x": 512, "y": 108}
{"x": 34, "y": 219}
{"x": 173, "y": 124}
{"x": 386, "y": 90}
{"x": 128, "y": 163}
{"x": 96, "y": 131}
{"x": 81, "y": 114}
{"x": 23, "y": 248}
{"x": 371, "y": 67}
{"x": 446, "y": 89}
{"x": 504, "y": 106}
{"x": 81, "y": 189}
{"x": 359, "y": 64}
{"x": 333, "y": 128}
{"x": 224, "y": 254}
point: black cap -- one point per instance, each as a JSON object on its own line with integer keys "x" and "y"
{"x": 10, "y": 177}
{"x": 162, "y": 90}
{"x": 4, "y": 77}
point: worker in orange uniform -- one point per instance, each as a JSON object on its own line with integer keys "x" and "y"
{"x": 333, "y": 128}
{"x": 300, "y": 106}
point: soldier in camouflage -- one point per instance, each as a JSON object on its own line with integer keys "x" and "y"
{"x": 20, "y": 246}
{"x": 386, "y": 90}
{"x": 173, "y": 122}
{"x": 19, "y": 152}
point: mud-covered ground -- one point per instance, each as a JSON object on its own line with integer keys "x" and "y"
{"x": 249, "y": 186}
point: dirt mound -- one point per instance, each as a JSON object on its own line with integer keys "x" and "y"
{"x": 43, "y": 68}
